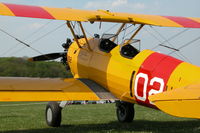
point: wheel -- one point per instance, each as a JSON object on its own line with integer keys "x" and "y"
{"x": 53, "y": 114}
{"x": 125, "y": 111}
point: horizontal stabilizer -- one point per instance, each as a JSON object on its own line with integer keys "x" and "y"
{"x": 183, "y": 102}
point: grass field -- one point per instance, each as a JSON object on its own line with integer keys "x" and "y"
{"x": 25, "y": 118}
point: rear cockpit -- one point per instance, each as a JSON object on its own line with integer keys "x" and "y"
{"x": 131, "y": 49}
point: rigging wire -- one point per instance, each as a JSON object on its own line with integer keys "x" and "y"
{"x": 186, "y": 44}
{"x": 170, "y": 38}
{"x": 27, "y": 45}
{"x": 77, "y": 31}
{"x": 36, "y": 40}
{"x": 30, "y": 35}
{"x": 167, "y": 40}
{"x": 125, "y": 35}
{"x": 161, "y": 42}
{"x": 110, "y": 28}
{"x": 127, "y": 27}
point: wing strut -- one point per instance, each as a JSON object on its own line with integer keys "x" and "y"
{"x": 73, "y": 33}
{"x": 120, "y": 29}
{"x": 81, "y": 26}
{"x": 134, "y": 34}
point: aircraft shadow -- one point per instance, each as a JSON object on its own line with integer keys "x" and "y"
{"x": 136, "y": 126}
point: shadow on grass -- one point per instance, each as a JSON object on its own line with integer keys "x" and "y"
{"x": 136, "y": 126}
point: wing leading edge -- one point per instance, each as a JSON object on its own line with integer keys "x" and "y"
{"x": 38, "y": 89}
{"x": 184, "y": 102}
{"x": 99, "y": 15}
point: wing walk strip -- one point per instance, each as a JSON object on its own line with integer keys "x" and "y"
{"x": 100, "y": 91}
{"x": 99, "y": 15}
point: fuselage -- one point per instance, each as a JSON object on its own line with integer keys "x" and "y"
{"x": 132, "y": 80}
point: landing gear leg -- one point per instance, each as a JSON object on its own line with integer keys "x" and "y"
{"x": 125, "y": 111}
{"x": 53, "y": 114}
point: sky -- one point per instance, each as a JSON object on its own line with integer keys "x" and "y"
{"x": 47, "y": 36}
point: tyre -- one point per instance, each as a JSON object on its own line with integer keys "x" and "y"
{"x": 53, "y": 114}
{"x": 125, "y": 111}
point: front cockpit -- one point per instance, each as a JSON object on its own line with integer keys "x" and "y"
{"x": 106, "y": 44}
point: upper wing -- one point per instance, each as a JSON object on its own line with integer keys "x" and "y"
{"x": 99, "y": 15}
{"x": 46, "y": 89}
{"x": 184, "y": 102}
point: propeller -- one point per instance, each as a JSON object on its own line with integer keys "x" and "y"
{"x": 53, "y": 56}
{"x": 50, "y": 56}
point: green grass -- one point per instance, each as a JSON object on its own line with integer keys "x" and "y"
{"x": 91, "y": 118}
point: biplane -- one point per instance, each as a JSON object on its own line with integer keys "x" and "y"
{"x": 103, "y": 69}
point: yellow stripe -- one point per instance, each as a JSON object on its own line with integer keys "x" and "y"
{"x": 149, "y": 19}
{"x": 66, "y": 14}
{"x": 4, "y": 10}
{"x": 195, "y": 19}
{"x": 158, "y": 20}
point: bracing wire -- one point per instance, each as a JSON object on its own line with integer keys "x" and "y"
{"x": 109, "y": 29}
{"x": 36, "y": 40}
{"x": 46, "y": 34}
{"x": 127, "y": 27}
{"x": 30, "y": 35}
{"x": 27, "y": 45}
{"x": 170, "y": 38}
{"x": 127, "y": 34}
{"x": 154, "y": 36}
{"x": 186, "y": 44}
{"x": 124, "y": 35}
{"x": 167, "y": 40}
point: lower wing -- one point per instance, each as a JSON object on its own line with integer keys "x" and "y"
{"x": 46, "y": 89}
{"x": 184, "y": 102}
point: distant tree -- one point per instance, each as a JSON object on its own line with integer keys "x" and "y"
{"x": 20, "y": 67}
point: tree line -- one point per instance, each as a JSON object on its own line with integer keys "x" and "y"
{"x": 21, "y": 67}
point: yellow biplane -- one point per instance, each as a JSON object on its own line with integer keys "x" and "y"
{"x": 103, "y": 69}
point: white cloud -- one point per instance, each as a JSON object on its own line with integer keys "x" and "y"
{"x": 97, "y": 4}
{"x": 138, "y": 6}
{"x": 119, "y": 3}
{"x": 116, "y": 5}
{"x": 35, "y": 25}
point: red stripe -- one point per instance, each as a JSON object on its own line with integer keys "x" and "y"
{"x": 29, "y": 11}
{"x": 156, "y": 65}
{"x": 185, "y": 22}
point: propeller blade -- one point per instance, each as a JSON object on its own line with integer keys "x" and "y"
{"x": 46, "y": 57}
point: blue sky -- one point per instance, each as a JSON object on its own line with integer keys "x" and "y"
{"x": 23, "y": 28}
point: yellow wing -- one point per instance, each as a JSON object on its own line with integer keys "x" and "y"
{"x": 99, "y": 15}
{"x": 184, "y": 102}
{"x": 37, "y": 89}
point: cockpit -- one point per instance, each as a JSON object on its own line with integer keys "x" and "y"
{"x": 131, "y": 49}
{"x": 128, "y": 50}
{"x": 106, "y": 44}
